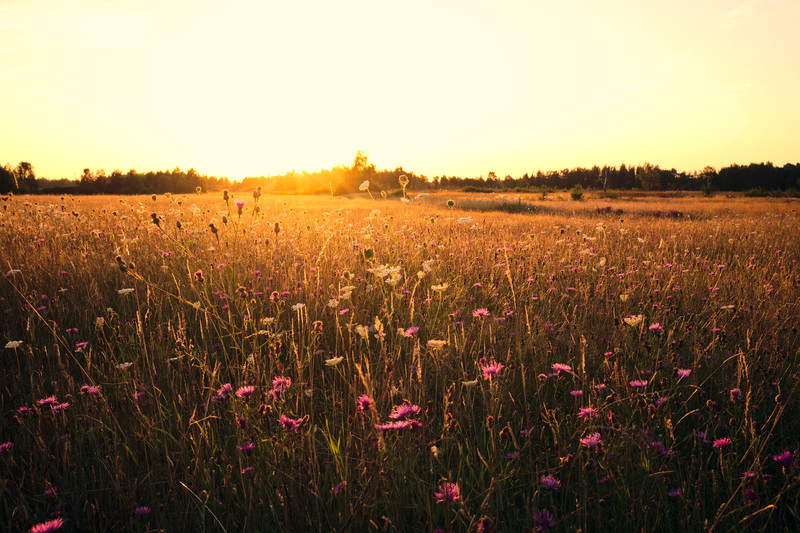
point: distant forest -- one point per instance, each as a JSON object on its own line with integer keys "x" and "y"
{"x": 757, "y": 178}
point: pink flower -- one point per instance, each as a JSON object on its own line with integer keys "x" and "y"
{"x": 559, "y": 367}
{"x": 402, "y": 411}
{"x": 592, "y": 441}
{"x": 492, "y": 370}
{"x": 784, "y": 459}
{"x": 247, "y": 447}
{"x": 394, "y": 426}
{"x": 47, "y": 527}
{"x": 409, "y": 332}
{"x": 447, "y": 493}
{"x": 683, "y": 373}
{"x": 656, "y": 328}
{"x": 638, "y": 383}
{"x": 223, "y": 391}
{"x": 244, "y": 392}
{"x": 281, "y": 383}
{"x": 90, "y": 389}
{"x": 721, "y": 443}
{"x": 365, "y": 403}
{"x": 50, "y": 400}
{"x": 291, "y": 424}
{"x": 480, "y": 313}
{"x": 6, "y": 446}
{"x": 585, "y": 413}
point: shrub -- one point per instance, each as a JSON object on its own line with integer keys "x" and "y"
{"x": 576, "y": 193}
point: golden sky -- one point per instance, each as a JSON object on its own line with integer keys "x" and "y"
{"x": 245, "y": 88}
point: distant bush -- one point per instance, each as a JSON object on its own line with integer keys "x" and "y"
{"x": 757, "y": 192}
{"x": 472, "y": 188}
{"x": 576, "y": 193}
{"x": 612, "y": 195}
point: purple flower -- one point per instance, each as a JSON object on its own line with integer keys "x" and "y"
{"x": 512, "y": 456}
{"x": 447, "y": 493}
{"x": 656, "y": 328}
{"x": 592, "y": 441}
{"x": 585, "y": 413}
{"x": 141, "y": 511}
{"x": 721, "y": 443}
{"x": 247, "y": 470}
{"x": 576, "y": 393}
{"x": 785, "y": 459}
{"x": 394, "y": 425}
{"x": 245, "y": 392}
{"x": 6, "y": 446}
{"x": 675, "y": 493}
{"x": 240, "y": 204}
{"x": 544, "y": 521}
{"x": 47, "y": 527}
{"x": 339, "y": 487}
{"x": 559, "y": 367}
{"x": 81, "y": 345}
{"x": 638, "y": 383}
{"x": 225, "y": 390}
{"x": 492, "y": 370}
{"x": 247, "y": 447}
{"x": 402, "y": 411}
{"x": 683, "y": 373}
{"x": 550, "y": 482}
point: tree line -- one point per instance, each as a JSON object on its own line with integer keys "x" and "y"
{"x": 345, "y": 179}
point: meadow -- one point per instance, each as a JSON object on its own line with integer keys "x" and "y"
{"x": 453, "y": 362}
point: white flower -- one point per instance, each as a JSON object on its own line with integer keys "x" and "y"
{"x": 364, "y": 186}
{"x": 436, "y": 343}
{"x": 124, "y": 366}
{"x": 470, "y": 383}
{"x": 333, "y": 361}
{"x": 125, "y": 291}
{"x": 13, "y": 344}
{"x": 440, "y": 288}
{"x": 633, "y": 320}
{"x": 298, "y": 306}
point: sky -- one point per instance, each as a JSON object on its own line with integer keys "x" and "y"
{"x": 250, "y": 88}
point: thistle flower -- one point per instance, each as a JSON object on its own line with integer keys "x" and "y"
{"x": 550, "y": 482}
{"x": 722, "y": 443}
{"x": 291, "y": 424}
{"x": 239, "y": 206}
{"x": 683, "y": 373}
{"x": 638, "y": 383}
{"x": 544, "y": 521}
{"x": 585, "y": 413}
{"x": 403, "y": 411}
{"x": 245, "y": 392}
{"x": 592, "y": 441}
{"x": 47, "y": 527}
{"x": 142, "y": 511}
{"x": 559, "y": 367}
{"x": 365, "y": 403}
{"x": 447, "y": 493}
{"x": 480, "y": 313}
{"x": 6, "y": 446}
{"x": 785, "y": 459}
{"x": 491, "y": 370}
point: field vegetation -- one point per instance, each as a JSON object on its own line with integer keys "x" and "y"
{"x": 453, "y": 362}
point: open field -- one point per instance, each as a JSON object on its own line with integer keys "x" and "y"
{"x": 356, "y": 364}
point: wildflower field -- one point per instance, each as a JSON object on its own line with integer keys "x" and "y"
{"x": 452, "y": 362}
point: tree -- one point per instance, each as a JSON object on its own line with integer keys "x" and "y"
{"x": 7, "y": 180}
{"x": 26, "y": 178}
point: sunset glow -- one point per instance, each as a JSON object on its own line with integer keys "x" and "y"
{"x": 459, "y": 88}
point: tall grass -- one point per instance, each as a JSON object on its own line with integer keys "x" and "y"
{"x": 670, "y": 406}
